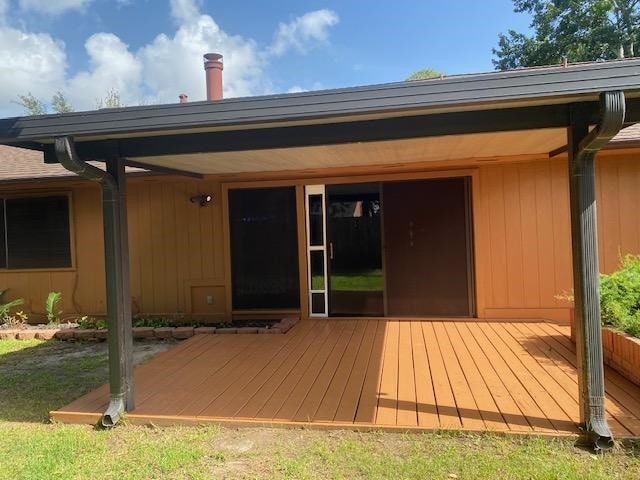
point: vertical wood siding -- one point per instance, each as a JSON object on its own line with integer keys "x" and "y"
{"x": 173, "y": 244}
{"x": 522, "y": 241}
{"x": 524, "y": 217}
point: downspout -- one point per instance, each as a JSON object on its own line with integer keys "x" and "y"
{"x": 120, "y": 383}
{"x": 583, "y": 147}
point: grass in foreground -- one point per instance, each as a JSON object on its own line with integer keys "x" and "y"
{"x": 38, "y": 376}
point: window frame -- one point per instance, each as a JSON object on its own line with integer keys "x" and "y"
{"x": 39, "y": 194}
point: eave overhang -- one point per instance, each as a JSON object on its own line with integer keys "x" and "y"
{"x": 525, "y": 99}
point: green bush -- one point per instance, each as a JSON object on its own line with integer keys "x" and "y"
{"x": 620, "y": 296}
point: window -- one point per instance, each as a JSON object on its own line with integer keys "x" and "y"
{"x": 35, "y": 232}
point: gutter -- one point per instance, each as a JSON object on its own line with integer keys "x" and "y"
{"x": 583, "y": 147}
{"x": 119, "y": 354}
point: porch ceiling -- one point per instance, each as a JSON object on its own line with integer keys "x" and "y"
{"x": 388, "y": 152}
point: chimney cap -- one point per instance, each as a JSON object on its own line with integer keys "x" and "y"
{"x": 213, "y": 57}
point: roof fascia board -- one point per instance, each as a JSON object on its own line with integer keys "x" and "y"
{"x": 485, "y": 90}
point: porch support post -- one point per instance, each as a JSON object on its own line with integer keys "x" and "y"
{"x": 116, "y": 254}
{"x": 583, "y": 147}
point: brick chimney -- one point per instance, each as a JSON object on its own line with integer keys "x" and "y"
{"x": 213, "y": 72}
{"x": 184, "y": 98}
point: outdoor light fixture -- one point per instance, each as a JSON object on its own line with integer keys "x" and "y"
{"x": 202, "y": 199}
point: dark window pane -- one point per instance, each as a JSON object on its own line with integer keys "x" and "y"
{"x": 317, "y": 303}
{"x": 316, "y": 235}
{"x": 264, "y": 248}
{"x": 317, "y": 270}
{"x": 38, "y": 232}
{"x": 3, "y": 244}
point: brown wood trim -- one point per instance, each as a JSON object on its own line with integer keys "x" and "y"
{"x": 354, "y": 178}
{"x": 267, "y": 311}
{"x": 302, "y": 251}
{"x": 557, "y": 314}
{"x": 479, "y": 226}
{"x": 226, "y": 248}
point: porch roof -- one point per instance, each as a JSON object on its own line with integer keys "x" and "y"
{"x": 488, "y": 108}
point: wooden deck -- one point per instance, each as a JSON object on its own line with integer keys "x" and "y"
{"x": 513, "y": 377}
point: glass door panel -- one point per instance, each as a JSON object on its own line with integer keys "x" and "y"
{"x": 356, "y": 281}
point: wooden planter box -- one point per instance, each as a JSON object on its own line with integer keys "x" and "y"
{"x": 621, "y": 351}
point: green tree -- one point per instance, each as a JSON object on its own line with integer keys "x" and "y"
{"x": 59, "y": 103}
{"x": 424, "y": 74}
{"x": 111, "y": 100}
{"x": 31, "y": 104}
{"x": 580, "y": 30}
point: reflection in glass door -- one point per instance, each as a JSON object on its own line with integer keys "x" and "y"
{"x": 353, "y": 230}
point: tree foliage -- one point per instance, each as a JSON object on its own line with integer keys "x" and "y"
{"x": 424, "y": 74}
{"x": 620, "y": 296}
{"x": 111, "y": 100}
{"x": 31, "y": 104}
{"x": 59, "y": 103}
{"x": 580, "y": 30}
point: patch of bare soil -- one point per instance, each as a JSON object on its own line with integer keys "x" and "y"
{"x": 54, "y": 352}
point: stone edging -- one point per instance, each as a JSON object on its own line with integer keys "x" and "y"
{"x": 179, "y": 333}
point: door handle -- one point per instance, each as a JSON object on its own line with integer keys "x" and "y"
{"x": 330, "y": 250}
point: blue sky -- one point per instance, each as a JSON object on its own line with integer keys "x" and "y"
{"x": 150, "y": 50}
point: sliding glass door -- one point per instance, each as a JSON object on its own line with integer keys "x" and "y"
{"x": 417, "y": 262}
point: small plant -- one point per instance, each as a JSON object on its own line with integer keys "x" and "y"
{"x": 6, "y": 316}
{"x": 87, "y": 322}
{"x": 51, "y": 307}
{"x": 565, "y": 296}
{"x": 157, "y": 321}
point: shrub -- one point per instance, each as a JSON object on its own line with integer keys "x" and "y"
{"x": 620, "y": 296}
{"x": 51, "y": 307}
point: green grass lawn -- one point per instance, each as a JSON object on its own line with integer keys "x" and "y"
{"x": 372, "y": 280}
{"x": 38, "y": 376}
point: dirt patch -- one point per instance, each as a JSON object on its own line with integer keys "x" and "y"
{"x": 54, "y": 353}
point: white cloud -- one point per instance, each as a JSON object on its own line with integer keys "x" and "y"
{"x": 113, "y": 66}
{"x": 296, "y": 89}
{"x": 29, "y": 62}
{"x": 156, "y": 72}
{"x": 185, "y": 11}
{"x": 174, "y": 64}
{"x": 53, "y": 7}
{"x": 297, "y": 34}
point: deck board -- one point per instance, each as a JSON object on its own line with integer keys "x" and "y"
{"x": 373, "y": 373}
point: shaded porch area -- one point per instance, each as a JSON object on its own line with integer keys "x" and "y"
{"x": 364, "y": 373}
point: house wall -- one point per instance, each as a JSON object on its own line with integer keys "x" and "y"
{"x": 175, "y": 246}
{"x": 177, "y": 249}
